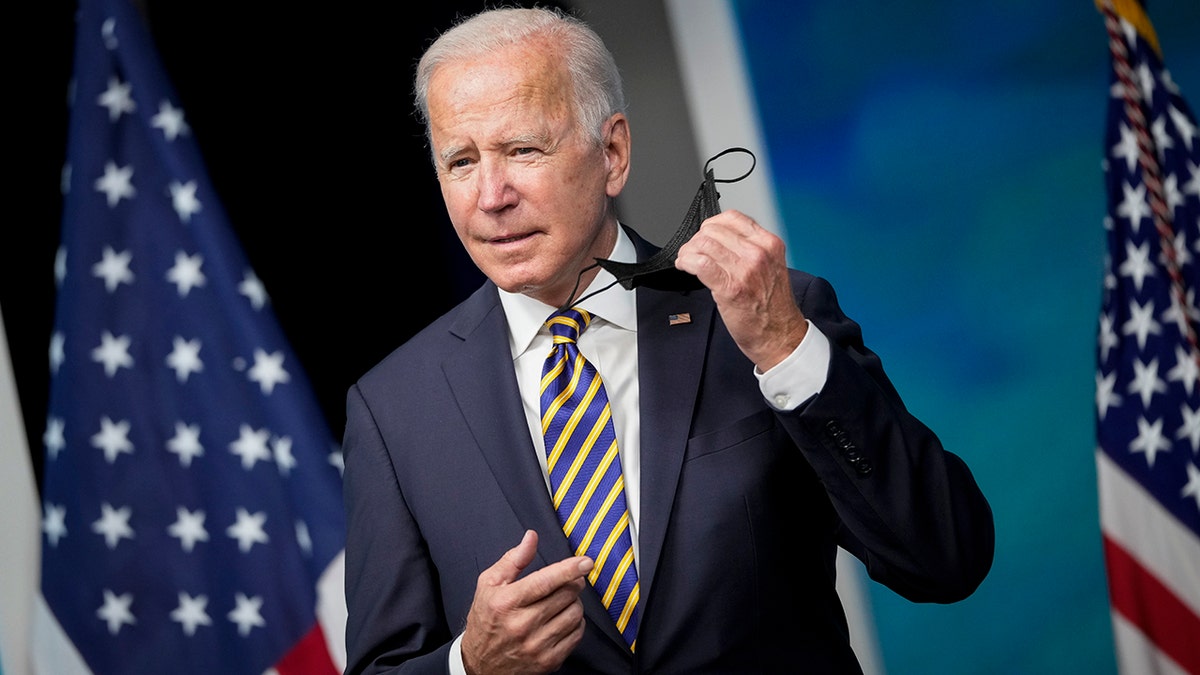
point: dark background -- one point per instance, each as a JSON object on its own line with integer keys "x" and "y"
{"x": 305, "y": 122}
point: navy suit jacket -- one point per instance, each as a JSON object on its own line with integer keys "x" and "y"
{"x": 742, "y": 506}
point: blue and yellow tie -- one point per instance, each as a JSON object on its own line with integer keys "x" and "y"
{"x": 585, "y": 471}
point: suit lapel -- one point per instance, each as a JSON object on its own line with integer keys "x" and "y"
{"x": 671, "y": 352}
{"x": 481, "y": 376}
{"x": 670, "y": 360}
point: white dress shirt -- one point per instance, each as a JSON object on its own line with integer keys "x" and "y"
{"x": 610, "y": 343}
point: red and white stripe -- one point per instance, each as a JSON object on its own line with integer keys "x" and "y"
{"x": 1153, "y": 577}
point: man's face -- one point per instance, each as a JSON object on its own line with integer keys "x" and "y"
{"x": 527, "y": 190}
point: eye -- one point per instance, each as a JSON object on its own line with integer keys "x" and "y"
{"x": 460, "y": 163}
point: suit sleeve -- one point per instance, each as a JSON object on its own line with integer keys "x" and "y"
{"x": 909, "y": 509}
{"x": 395, "y": 623}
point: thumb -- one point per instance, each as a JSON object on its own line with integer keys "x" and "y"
{"x": 516, "y": 559}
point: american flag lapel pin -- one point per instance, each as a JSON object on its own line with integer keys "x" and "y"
{"x": 678, "y": 319}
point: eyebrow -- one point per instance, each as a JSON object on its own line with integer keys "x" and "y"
{"x": 449, "y": 153}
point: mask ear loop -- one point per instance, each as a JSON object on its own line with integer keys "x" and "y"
{"x": 710, "y": 206}
{"x": 753, "y": 163}
{"x": 575, "y": 290}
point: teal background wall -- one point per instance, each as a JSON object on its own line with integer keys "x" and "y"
{"x": 940, "y": 163}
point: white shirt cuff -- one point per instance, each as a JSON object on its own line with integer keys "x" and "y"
{"x": 456, "y": 662}
{"x": 800, "y": 376}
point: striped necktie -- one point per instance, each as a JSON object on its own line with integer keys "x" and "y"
{"x": 585, "y": 471}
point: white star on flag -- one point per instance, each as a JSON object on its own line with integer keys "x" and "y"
{"x": 54, "y": 523}
{"x": 185, "y": 273}
{"x": 184, "y": 358}
{"x": 246, "y": 615}
{"x": 188, "y": 528}
{"x": 113, "y": 439}
{"x": 114, "y": 268}
{"x": 170, "y": 120}
{"x": 253, "y": 289}
{"x": 268, "y": 370}
{"x": 248, "y": 530}
{"x": 191, "y": 613}
{"x": 113, "y": 524}
{"x": 115, "y": 611}
{"x": 183, "y": 199}
{"x": 116, "y": 183}
{"x": 186, "y": 443}
{"x": 117, "y": 99}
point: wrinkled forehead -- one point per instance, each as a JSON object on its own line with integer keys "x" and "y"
{"x": 520, "y": 81}
{"x": 535, "y": 64}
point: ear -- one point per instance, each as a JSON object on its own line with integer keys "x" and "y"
{"x": 616, "y": 152}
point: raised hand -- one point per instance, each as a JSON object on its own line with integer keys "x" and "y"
{"x": 745, "y": 267}
{"x": 524, "y": 624}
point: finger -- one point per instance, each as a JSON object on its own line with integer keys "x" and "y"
{"x": 741, "y": 236}
{"x": 724, "y": 262}
{"x": 732, "y": 250}
{"x": 566, "y": 576}
{"x": 732, "y": 222}
{"x": 704, "y": 256}
{"x": 722, "y": 239}
{"x": 730, "y": 228}
{"x": 554, "y": 642}
{"x": 509, "y": 566}
{"x": 564, "y": 630}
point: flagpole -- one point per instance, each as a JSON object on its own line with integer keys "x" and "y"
{"x": 19, "y": 556}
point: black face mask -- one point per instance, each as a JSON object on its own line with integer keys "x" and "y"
{"x": 659, "y": 270}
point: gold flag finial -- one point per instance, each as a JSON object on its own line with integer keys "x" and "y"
{"x": 1133, "y": 12}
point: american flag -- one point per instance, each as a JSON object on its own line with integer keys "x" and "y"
{"x": 191, "y": 508}
{"x": 1148, "y": 359}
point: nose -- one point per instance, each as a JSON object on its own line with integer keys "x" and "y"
{"x": 496, "y": 191}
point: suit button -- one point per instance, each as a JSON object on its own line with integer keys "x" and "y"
{"x": 863, "y": 467}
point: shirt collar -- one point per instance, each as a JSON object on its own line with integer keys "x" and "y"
{"x": 615, "y": 305}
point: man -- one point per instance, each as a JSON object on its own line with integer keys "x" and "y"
{"x": 755, "y": 432}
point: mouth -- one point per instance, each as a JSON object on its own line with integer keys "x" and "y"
{"x": 510, "y": 239}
